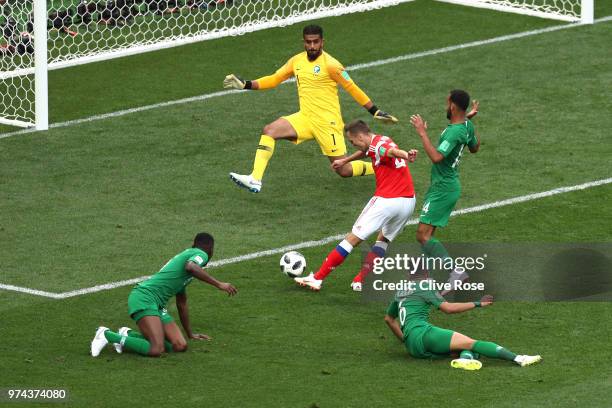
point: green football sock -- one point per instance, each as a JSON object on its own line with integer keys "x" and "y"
{"x": 492, "y": 350}
{"x": 467, "y": 354}
{"x": 434, "y": 248}
{"x": 138, "y": 345}
{"x": 112, "y": 337}
{"x": 137, "y": 334}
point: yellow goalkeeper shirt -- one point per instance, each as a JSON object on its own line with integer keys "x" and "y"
{"x": 317, "y": 85}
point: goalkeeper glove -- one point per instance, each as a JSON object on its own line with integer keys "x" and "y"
{"x": 235, "y": 82}
{"x": 382, "y": 115}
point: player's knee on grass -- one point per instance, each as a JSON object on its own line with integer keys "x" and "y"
{"x": 156, "y": 350}
{"x": 179, "y": 346}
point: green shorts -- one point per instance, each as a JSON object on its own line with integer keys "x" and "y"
{"x": 142, "y": 303}
{"x": 438, "y": 206}
{"x": 429, "y": 342}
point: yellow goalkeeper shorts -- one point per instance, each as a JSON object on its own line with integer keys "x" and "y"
{"x": 329, "y": 135}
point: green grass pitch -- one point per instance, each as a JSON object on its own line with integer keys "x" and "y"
{"x": 113, "y": 199}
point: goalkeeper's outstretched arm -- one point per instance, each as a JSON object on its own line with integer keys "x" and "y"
{"x": 338, "y": 74}
{"x": 233, "y": 81}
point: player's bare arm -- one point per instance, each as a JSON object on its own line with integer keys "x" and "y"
{"x": 475, "y": 149}
{"x": 204, "y": 276}
{"x": 183, "y": 311}
{"x": 470, "y": 115}
{"x": 338, "y": 163}
{"x": 474, "y": 111}
{"x": 450, "y": 308}
{"x": 394, "y": 326}
{"x": 420, "y": 126}
{"x": 409, "y": 155}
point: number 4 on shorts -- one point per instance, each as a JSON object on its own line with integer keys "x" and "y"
{"x": 425, "y": 207}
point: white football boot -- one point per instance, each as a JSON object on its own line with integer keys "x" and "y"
{"x": 455, "y": 278}
{"x": 246, "y": 181}
{"x": 99, "y": 341}
{"x": 356, "y": 286}
{"x": 123, "y": 332}
{"x": 466, "y": 364}
{"x": 525, "y": 361}
{"x": 309, "y": 282}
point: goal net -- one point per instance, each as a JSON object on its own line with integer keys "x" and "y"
{"x": 83, "y": 31}
{"x": 16, "y": 63}
{"x": 73, "y": 32}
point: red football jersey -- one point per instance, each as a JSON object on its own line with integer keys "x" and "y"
{"x": 393, "y": 177}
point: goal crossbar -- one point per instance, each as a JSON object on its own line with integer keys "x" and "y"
{"x": 585, "y": 15}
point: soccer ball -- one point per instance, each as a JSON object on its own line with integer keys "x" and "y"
{"x": 292, "y": 264}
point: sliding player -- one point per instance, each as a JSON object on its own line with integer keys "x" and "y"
{"x": 317, "y": 75}
{"x": 147, "y": 305}
{"x": 386, "y": 213}
{"x": 445, "y": 188}
{"x": 424, "y": 340}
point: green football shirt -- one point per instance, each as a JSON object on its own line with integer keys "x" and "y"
{"x": 413, "y": 308}
{"x": 172, "y": 277}
{"x": 452, "y": 142}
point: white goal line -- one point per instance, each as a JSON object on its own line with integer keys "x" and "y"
{"x": 355, "y": 67}
{"x": 307, "y": 244}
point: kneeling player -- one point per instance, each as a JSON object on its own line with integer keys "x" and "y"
{"x": 386, "y": 213}
{"x": 147, "y": 305}
{"x": 424, "y": 340}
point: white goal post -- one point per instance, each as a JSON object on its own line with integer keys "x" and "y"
{"x": 41, "y": 35}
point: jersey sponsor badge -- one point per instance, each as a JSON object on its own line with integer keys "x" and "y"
{"x": 346, "y": 76}
{"x": 444, "y": 145}
{"x": 199, "y": 259}
{"x": 316, "y": 69}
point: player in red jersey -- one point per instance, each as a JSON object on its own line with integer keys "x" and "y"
{"x": 386, "y": 213}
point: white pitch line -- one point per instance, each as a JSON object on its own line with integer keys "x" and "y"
{"x": 311, "y": 244}
{"x": 529, "y": 197}
{"x": 29, "y": 291}
{"x": 99, "y": 288}
{"x": 355, "y": 67}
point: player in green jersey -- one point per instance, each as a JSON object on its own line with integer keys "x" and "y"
{"x": 147, "y": 305}
{"x": 424, "y": 340}
{"x": 445, "y": 188}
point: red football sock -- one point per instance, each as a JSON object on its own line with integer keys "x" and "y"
{"x": 378, "y": 251}
{"x": 366, "y": 267}
{"x": 334, "y": 258}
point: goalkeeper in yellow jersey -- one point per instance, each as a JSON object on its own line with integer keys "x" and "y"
{"x": 317, "y": 75}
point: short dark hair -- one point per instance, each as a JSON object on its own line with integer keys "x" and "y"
{"x": 357, "y": 126}
{"x": 203, "y": 240}
{"x": 313, "y": 29}
{"x": 460, "y": 98}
